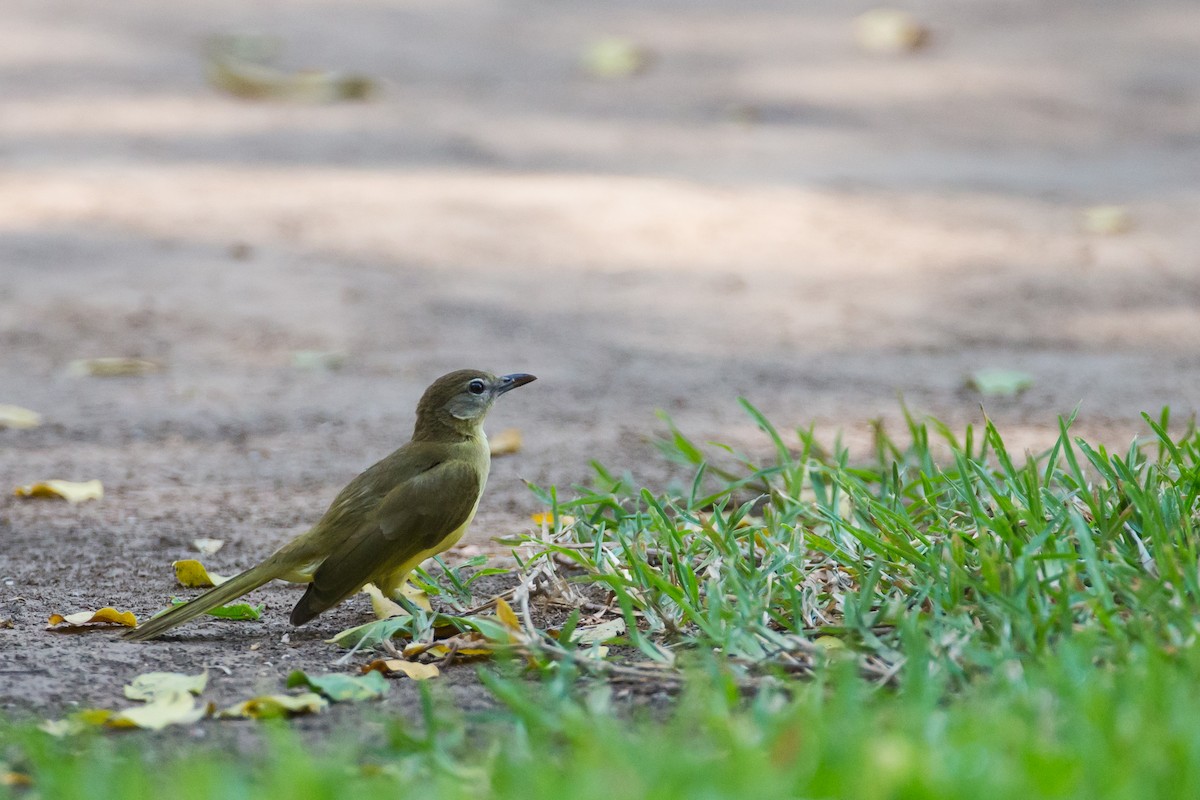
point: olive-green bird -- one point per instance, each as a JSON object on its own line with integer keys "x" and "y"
{"x": 413, "y": 504}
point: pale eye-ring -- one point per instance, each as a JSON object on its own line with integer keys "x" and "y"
{"x": 476, "y": 386}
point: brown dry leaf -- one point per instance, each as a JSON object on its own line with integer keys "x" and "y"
{"x": 104, "y": 616}
{"x": 19, "y": 418}
{"x": 506, "y": 442}
{"x": 208, "y": 547}
{"x": 192, "y": 574}
{"x": 112, "y": 367}
{"x": 469, "y": 644}
{"x": 889, "y": 31}
{"x": 413, "y": 669}
{"x": 71, "y": 491}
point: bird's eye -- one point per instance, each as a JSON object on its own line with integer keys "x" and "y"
{"x": 476, "y": 386}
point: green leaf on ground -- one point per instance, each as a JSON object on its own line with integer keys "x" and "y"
{"x": 342, "y": 688}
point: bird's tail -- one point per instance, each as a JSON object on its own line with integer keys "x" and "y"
{"x": 232, "y": 589}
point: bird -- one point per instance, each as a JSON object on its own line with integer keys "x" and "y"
{"x": 409, "y": 506}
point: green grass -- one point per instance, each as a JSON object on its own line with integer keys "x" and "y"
{"x": 938, "y": 618}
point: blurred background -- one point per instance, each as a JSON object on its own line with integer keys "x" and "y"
{"x": 296, "y": 214}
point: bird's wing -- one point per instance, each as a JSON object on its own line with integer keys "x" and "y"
{"x": 413, "y": 517}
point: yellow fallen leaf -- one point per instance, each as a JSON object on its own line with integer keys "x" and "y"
{"x": 117, "y": 367}
{"x": 71, "y": 491}
{"x": 149, "y": 685}
{"x": 506, "y": 442}
{"x": 208, "y": 547}
{"x": 242, "y": 65}
{"x": 192, "y": 574}
{"x": 169, "y": 708}
{"x": 615, "y": 57}
{"x": 546, "y": 519}
{"x": 507, "y": 615}
{"x": 413, "y": 669}
{"x": 107, "y": 615}
{"x": 1107, "y": 220}
{"x": 272, "y": 706}
{"x": 889, "y": 31}
{"x": 17, "y": 417}
{"x": 386, "y": 608}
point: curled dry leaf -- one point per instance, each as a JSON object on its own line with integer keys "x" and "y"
{"x": 411, "y": 669}
{"x": 17, "y": 417}
{"x": 71, "y": 491}
{"x": 889, "y": 31}
{"x": 506, "y": 442}
{"x": 274, "y": 706}
{"x": 118, "y": 367}
{"x": 104, "y": 616}
{"x": 243, "y": 65}
{"x": 208, "y": 547}
{"x": 149, "y": 685}
{"x": 192, "y": 574}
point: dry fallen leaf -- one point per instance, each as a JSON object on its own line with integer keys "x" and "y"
{"x": 104, "y": 616}
{"x": 889, "y": 31}
{"x": 192, "y": 574}
{"x": 208, "y": 547}
{"x": 117, "y": 367}
{"x": 599, "y": 633}
{"x": 413, "y": 669}
{"x": 506, "y": 442}
{"x": 17, "y": 417}
{"x": 272, "y": 706}
{"x": 149, "y": 685}
{"x": 166, "y": 708}
{"x": 507, "y": 615}
{"x": 386, "y": 608}
{"x": 71, "y": 491}
{"x": 242, "y": 65}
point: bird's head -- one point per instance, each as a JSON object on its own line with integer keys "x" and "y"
{"x": 460, "y": 400}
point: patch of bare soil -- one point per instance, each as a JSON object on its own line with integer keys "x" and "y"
{"x": 766, "y": 212}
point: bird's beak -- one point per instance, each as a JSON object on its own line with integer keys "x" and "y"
{"x": 508, "y": 382}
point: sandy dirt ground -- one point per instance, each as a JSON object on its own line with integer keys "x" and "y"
{"x": 766, "y": 212}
